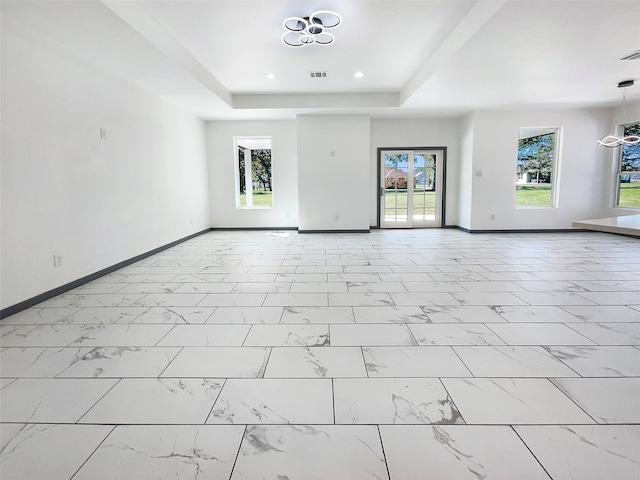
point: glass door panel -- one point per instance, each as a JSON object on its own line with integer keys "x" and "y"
{"x": 396, "y": 174}
{"x": 410, "y": 191}
{"x": 424, "y": 190}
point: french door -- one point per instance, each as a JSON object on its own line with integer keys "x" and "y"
{"x": 411, "y": 188}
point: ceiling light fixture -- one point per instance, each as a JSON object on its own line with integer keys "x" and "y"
{"x": 270, "y": 76}
{"x": 613, "y": 140}
{"x": 303, "y": 31}
{"x": 358, "y": 74}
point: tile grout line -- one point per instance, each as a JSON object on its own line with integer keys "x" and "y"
{"x": 530, "y": 451}
{"x": 235, "y": 461}
{"x": 384, "y": 455}
{"x": 547, "y": 349}
{"x": 561, "y": 390}
{"x": 170, "y": 361}
{"x": 224, "y": 383}
{"x": 94, "y": 451}
{"x": 333, "y": 398}
{"x": 77, "y": 422}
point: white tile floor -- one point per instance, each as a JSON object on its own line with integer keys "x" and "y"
{"x": 395, "y": 354}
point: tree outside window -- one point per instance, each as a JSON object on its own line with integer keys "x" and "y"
{"x": 535, "y": 167}
{"x": 254, "y": 188}
{"x": 628, "y": 194}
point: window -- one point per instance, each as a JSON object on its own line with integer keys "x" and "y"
{"x": 536, "y": 167}
{"x": 628, "y": 184}
{"x": 254, "y": 188}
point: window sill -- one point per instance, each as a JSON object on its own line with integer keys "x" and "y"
{"x": 535, "y": 207}
{"x": 620, "y": 207}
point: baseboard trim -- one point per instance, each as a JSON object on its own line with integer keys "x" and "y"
{"x": 248, "y": 229}
{"x": 18, "y": 307}
{"x": 335, "y": 231}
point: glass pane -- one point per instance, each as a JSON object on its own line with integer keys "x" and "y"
{"x": 629, "y": 190}
{"x": 254, "y": 172}
{"x": 630, "y": 157}
{"x": 261, "y": 178}
{"x": 395, "y": 185}
{"x": 424, "y": 187}
{"x": 535, "y": 163}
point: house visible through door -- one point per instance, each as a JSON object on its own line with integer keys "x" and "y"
{"x": 411, "y": 188}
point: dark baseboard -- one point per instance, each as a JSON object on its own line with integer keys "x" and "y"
{"x": 335, "y": 231}
{"x": 18, "y": 307}
{"x": 245, "y": 229}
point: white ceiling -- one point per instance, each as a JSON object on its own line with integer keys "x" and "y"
{"x": 420, "y": 58}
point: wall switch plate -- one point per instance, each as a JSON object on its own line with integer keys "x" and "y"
{"x": 103, "y": 133}
{"x": 478, "y": 173}
{"x": 492, "y": 216}
{"x": 57, "y": 260}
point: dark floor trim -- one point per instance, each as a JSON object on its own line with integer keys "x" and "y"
{"x": 18, "y": 307}
{"x": 246, "y": 229}
{"x": 335, "y": 231}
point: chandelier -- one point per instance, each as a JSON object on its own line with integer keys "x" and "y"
{"x": 303, "y": 31}
{"x": 613, "y": 140}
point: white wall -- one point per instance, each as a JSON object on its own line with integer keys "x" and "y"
{"x": 464, "y": 188}
{"x": 583, "y": 169}
{"x": 67, "y": 192}
{"x": 222, "y": 182}
{"x": 391, "y": 133}
{"x": 333, "y": 172}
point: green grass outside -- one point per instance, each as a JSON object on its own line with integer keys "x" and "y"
{"x": 526, "y": 196}
{"x": 396, "y": 201}
{"x": 261, "y": 198}
{"x": 533, "y": 195}
{"x": 629, "y": 195}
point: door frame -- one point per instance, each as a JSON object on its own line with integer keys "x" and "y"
{"x": 381, "y": 151}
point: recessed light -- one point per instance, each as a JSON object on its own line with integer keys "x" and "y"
{"x": 270, "y": 76}
{"x": 358, "y": 74}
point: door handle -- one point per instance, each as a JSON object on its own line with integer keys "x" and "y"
{"x": 381, "y": 191}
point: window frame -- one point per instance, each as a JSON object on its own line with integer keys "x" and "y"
{"x": 618, "y": 172}
{"x": 555, "y": 167}
{"x": 237, "y": 140}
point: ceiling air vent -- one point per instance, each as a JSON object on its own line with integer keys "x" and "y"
{"x": 632, "y": 56}
{"x": 318, "y": 74}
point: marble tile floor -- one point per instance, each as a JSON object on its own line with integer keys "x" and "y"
{"x": 408, "y": 354}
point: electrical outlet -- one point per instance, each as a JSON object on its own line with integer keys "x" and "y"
{"x": 336, "y": 217}
{"x": 103, "y": 133}
{"x": 57, "y": 260}
{"x": 492, "y": 216}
